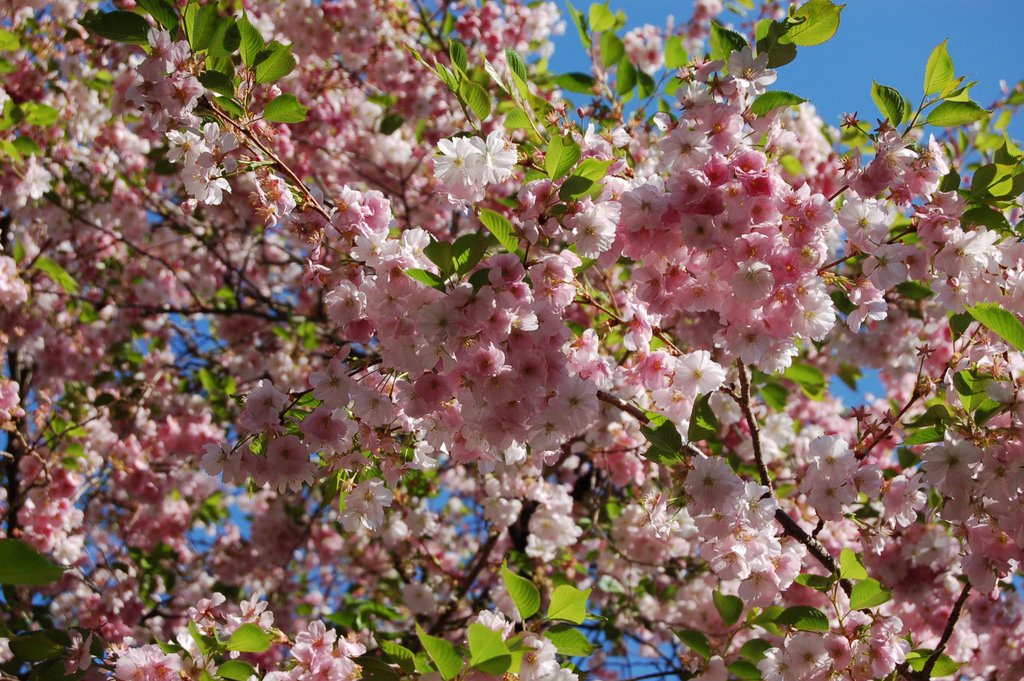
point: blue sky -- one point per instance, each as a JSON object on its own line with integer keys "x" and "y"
{"x": 885, "y": 40}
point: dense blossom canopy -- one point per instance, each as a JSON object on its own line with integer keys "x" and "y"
{"x": 353, "y": 339}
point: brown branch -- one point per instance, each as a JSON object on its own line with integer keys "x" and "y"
{"x": 954, "y": 615}
{"x": 467, "y": 582}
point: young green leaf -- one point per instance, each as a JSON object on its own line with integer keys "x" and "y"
{"x": 251, "y": 41}
{"x": 487, "y": 650}
{"x": 813, "y": 23}
{"x": 953, "y": 114}
{"x": 889, "y": 101}
{"x": 501, "y": 228}
{"x": 274, "y": 63}
{"x": 582, "y": 83}
{"x": 725, "y": 41}
{"x": 163, "y": 12}
{"x": 695, "y": 641}
{"x": 119, "y": 26}
{"x": 675, "y": 53}
{"x": 237, "y": 670}
{"x": 285, "y": 109}
{"x": 457, "y": 53}
{"x": 938, "y": 73}
{"x": 524, "y": 593}
{"x": 772, "y": 100}
{"x": 729, "y": 607}
{"x": 850, "y": 566}
{"x": 1001, "y": 322}
{"x": 562, "y": 155}
{"x": 250, "y": 638}
{"x": 476, "y": 98}
{"x": 612, "y": 49}
{"x": 203, "y": 26}
{"x": 703, "y": 422}
{"x": 57, "y": 274}
{"x": 426, "y": 277}
{"x": 601, "y": 18}
{"x": 569, "y": 641}
{"x": 568, "y": 603}
{"x": 868, "y": 593}
{"x": 626, "y": 79}
{"x": 803, "y": 618}
{"x": 442, "y": 653}
{"x": 22, "y": 565}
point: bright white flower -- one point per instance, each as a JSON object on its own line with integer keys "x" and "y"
{"x": 498, "y": 157}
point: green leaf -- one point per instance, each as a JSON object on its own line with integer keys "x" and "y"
{"x": 703, "y": 422}
{"x": 442, "y": 653}
{"x": 850, "y": 566}
{"x": 237, "y": 670}
{"x": 35, "y": 647}
{"x": 251, "y": 41}
{"x": 390, "y": 123}
{"x": 274, "y": 63}
{"x": 809, "y": 378}
{"x": 119, "y": 26}
{"x": 249, "y": 638}
{"x": 426, "y": 277}
{"x": 925, "y": 436}
{"x": 9, "y": 41}
{"x": 56, "y": 273}
{"x": 488, "y": 651}
{"x": 675, "y": 53}
{"x": 226, "y": 38}
{"x": 971, "y": 387}
{"x": 938, "y": 73}
{"x": 517, "y": 119}
{"x": 163, "y": 12}
{"x": 218, "y": 82}
{"x": 725, "y": 41}
{"x": 569, "y": 641}
{"x": 576, "y": 82}
{"x": 741, "y": 669}
{"x": 772, "y": 100}
{"x": 574, "y": 187}
{"x": 22, "y": 565}
{"x": 944, "y": 665}
{"x": 695, "y": 641}
{"x": 203, "y": 28}
{"x": 376, "y": 670}
{"x": 663, "y": 436}
{"x": 868, "y": 593}
{"x": 457, "y": 53}
{"x": 285, "y": 109}
{"x": 477, "y": 98}
{"x": 441, "y": 254}
{"x": 601, "y": 18}
{"x": 562, "y": 155}
{"x": 523, "y": 592}
{"x": 1001, "y": 322}
{"x": 889, "y": 101}
{"x": 729, "y": 607}
{"x": 754, "y": 649}
{"x": 612, "y": 49}
{"x": 815, "y": 582}
{"x": 813, "y": 23}
{"x": 803, "y": 618}
{"x": 399, "y": 653}
{"x": 39, "y": 114}
{"x": 581, "y": 24}
{"x": 516, "y": 64}
{"x": 467, "y": 251}
{"x": 625, "y": 81}
{"x": 501, "y": 228}
{"x": 568, "y": 603}
{"x": 953, "y": 114}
